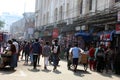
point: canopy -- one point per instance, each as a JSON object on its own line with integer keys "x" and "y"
{"x": 86, "y": 36}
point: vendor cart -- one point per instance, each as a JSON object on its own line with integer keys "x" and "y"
{"x": 5, "y": 60}
{"x": 84, "y": 60}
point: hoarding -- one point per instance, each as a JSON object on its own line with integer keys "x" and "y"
{"x": 55, "y": 33}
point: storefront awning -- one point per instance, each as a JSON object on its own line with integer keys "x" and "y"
{"x": 86, "y": 36}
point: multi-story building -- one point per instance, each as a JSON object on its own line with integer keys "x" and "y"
{"x": 17, "y": 28}
{"x": 24, "y": 27}
{"x": 70, "y": 16}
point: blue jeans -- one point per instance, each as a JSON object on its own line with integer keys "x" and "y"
{"x": 35, "y": 58}
{"x": 31, "y": 57}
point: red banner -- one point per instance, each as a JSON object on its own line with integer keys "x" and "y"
{"x": 117, "y": 28}
{"x": 55, "y": 33}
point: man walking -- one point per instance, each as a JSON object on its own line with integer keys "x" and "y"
{"x": 56, "y": 52}
{"x": 46, "y": 54}
{"x": 36, "y": 51}
{"x": 75, "y": 53}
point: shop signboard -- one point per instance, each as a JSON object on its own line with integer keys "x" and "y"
{"x": 30, "y": 31}
{"x": 55, "y": 33}
{"x": 117, "y": 28}
{"x": 118, "y": 17}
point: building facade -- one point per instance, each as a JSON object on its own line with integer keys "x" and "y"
{"x": 17, "y": 28}
{"x": 24, "y": 28}
{"x": 71, "y": 16}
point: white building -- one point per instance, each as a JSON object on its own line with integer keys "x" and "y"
{"x": 23, "y": 27}
{"x": 50, "y": 11}
{"x": 17, "y": 28}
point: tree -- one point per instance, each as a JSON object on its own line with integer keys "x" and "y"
{"x": 1, "y": 24}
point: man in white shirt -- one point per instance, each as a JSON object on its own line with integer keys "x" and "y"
{"x": 75, "y": 54}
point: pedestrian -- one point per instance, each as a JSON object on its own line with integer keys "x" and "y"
{"x": 75, "y": 53}
{"x": 108, "y": 59}
{"x": 12, "y": 48}
{"x": 91, "y": 57}
{"x": 46, "y": 53}
{"x": 100, "y": 58}
{"x": 67, "y": 56}
{"x": 36, "y": 51}
{"x": 31, "y": 54}
{"x": 117, "y": 62}
{"x": 27, "y": 51}
{"x": 23, "y": 49}
{"x": 17, "y": 46}
{"x": 55, "y": 54}
{"x": 39, "y": 55}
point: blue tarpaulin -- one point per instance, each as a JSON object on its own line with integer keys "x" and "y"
{"x": 86, "y": 36}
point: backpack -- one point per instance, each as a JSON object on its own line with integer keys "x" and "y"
{"x": 108, "y": 56}
{"x": 55, "y": 49}
{"x": 46, "y": 51}
{"x": 100, "y": 53}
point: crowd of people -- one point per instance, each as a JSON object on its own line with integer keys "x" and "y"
{"x": 100, "y": 58}
{"x": 32, "y": 50}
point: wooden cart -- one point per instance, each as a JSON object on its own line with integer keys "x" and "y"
{"x": 5, "y": 60}
{"x": 84, "y": 60}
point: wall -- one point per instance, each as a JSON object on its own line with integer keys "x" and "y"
{"x": 70, "y": 8}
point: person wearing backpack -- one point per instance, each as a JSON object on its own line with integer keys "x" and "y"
{"x": 46, "y": 53}
{"x": 108, "y": 59}
{"x": 100, "y": 59}
{"x": 55, "y": 54}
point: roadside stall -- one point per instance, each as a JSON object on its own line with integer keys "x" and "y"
{"x": 87, "y": 38}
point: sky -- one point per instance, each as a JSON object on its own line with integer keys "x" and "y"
{"x": 17, "y": 6}
{"x": 11, "y": 10}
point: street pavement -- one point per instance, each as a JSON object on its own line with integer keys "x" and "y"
{"x": 26, "y": 72}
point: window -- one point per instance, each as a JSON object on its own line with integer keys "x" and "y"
{"x": 90, "y": 5}
{"x": 117, "y": 0}
{"x": 67, "y": 9}
{"x": 81, "y": 6}
{"x": 56, "y": 10}
{"x": 61, "y": 12}
{"x": 47, "y": 17}
{"x": 44, "y": 19}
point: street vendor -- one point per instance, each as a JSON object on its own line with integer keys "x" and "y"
{"x": 12, "y": 48}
